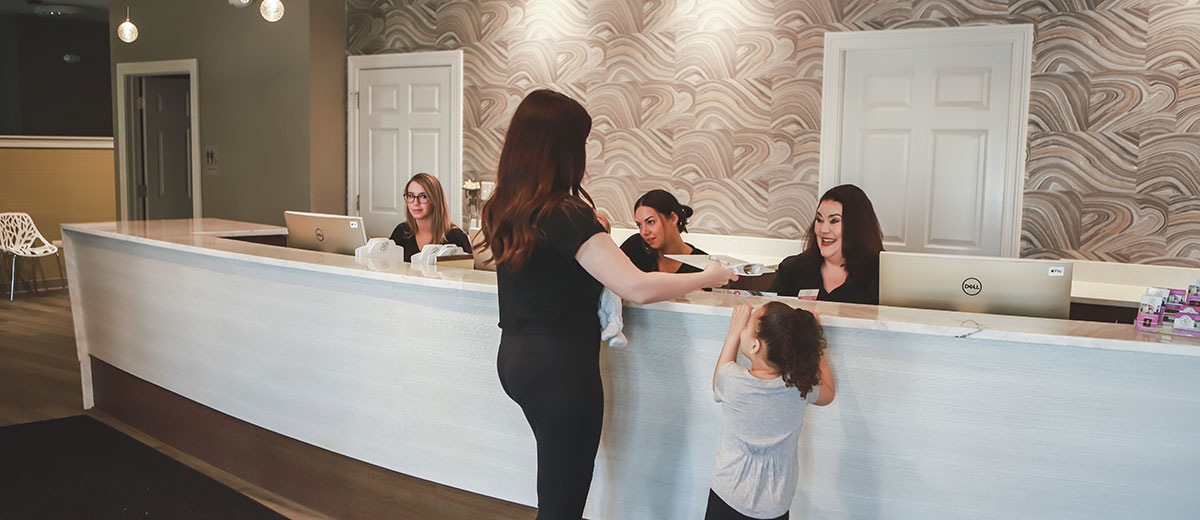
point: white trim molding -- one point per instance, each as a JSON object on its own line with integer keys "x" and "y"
{"x": 158, "y": 68}
{"x": 356, "y": 64}
{"x": 54, "y": 141}
{"x": 1018, "y": 36}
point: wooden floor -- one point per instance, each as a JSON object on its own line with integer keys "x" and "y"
{"x": 39, "y": 380}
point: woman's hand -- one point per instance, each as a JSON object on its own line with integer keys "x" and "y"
{"x": 603, "y": 219}
{"x": 718, "y": 275}
{"x": 739, "y": 318}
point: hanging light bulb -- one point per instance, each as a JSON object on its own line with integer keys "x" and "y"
{"x": 127, "y": 32}
{"x": 271, "y": 10}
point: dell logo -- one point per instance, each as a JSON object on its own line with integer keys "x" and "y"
{"x": 972, "y": 286}
{"x": 320, "y": 235}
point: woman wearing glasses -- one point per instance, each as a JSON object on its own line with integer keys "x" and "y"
{"x": 427, "y": 218}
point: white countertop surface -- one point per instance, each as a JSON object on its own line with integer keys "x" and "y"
{"x": 204, "y": 236}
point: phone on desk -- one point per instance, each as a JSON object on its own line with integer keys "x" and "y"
{"x": 379, "y": 247}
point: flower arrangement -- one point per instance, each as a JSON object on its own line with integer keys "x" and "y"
{"x": 471, "y": 190}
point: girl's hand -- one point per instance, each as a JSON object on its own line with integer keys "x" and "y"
{"x": 718, "y": 275}
{"x": 739, "y": 318}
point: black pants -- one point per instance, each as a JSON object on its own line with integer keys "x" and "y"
{"x": 556, "y": 380}
{"x": 719, "y": 510}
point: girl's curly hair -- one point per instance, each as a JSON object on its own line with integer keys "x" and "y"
{"x": 794, "y": 342}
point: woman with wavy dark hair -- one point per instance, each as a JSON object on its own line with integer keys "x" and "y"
{"x": 661, "y": 220}
{"x": 757, "y": 466}
{"x": 841, "y": 258}
{"x": 552, "y": 260}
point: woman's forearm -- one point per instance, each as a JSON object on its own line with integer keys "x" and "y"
{"x": 601, "y": 258}
{"x": 657, "y": 287}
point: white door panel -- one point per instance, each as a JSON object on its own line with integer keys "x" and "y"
{"x": 382, "y": 156}
{"x": 923, "y": 133}
{"x": 882, "y": 167}
{"x": 405, "y": 119}
{"x": 955, "y": 189}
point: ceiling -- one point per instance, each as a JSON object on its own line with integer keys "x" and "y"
{"x": 96, "y": 10}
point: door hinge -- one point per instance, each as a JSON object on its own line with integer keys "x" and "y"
{"x": 356, "y": 100}
{"x": 141, "y": 103}
{"x": 141, "y": 190}
{"x": 356, "y": 197}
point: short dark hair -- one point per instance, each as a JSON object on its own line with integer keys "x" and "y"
{"x": 665, "y": 204}
{"x": 862, "y": 237}
{"x": 794, "y": 341}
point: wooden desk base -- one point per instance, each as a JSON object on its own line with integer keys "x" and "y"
{"x": 333, "y": 484}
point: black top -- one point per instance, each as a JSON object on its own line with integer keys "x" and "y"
{"x": 646, "y": 258}
{"x": 408, "y": 240}
{"x": 795, "y": 274}
{"x": 552, "y": 293}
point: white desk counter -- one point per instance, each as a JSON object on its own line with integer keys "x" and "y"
{"x": 938, "y": 414}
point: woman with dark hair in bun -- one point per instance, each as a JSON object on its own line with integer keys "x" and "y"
{"x": 660, "y": 220}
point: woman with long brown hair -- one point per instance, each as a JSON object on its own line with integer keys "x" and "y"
{"x": 427, "y": 219}
{"x": 841, "y": 257}
{"x": 553, "y": 259}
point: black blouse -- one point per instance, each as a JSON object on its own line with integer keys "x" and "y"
{"x": 408, "y": 240}
{"x": 552, "y": 293}
{"x": 646, "y": 258}
{"x": 795, "y": 274}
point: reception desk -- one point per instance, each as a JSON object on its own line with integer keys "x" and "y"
{"x": 938, "y": 414}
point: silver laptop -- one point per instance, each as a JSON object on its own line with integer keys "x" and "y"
{"x": 322, "y": 232}
{"x": 1017, "y": 286}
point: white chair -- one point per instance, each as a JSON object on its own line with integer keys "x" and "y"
{"x": 18, "y": 235}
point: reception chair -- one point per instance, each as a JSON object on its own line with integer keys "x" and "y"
{"x": 18, "y": 236}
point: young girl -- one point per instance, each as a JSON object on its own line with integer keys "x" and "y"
{"x": 757, "y": 463}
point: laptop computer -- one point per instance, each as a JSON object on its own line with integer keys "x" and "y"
{"x": 323, "y": 232}
{"x": 1016, "y": 286}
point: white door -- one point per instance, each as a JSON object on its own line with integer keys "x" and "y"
{"x": 166, "y": 185}
{"x": 925, "y": 135}
{"x": 405, "y": 123}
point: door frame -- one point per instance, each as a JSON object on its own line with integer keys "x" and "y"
{"x": 1018, "y": 36}
{"x": 356, "y": 64}
{"x": 125, "y": 71}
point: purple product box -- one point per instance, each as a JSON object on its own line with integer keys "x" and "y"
{"x": 1193, "y": 292}
{"x": 1187, "y": 321}
{"x": 1150, "y": 312}
{"x": 1176, "y": 300}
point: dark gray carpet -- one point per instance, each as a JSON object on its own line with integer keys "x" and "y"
{"x": 78, "y": 467}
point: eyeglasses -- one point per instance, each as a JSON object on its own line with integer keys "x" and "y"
{"x": 423, "y": 197}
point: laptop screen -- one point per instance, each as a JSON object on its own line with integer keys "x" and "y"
{"x": 991, "y": 285}
{"x": 323, "y": 232}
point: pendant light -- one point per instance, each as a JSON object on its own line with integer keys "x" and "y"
{"x": 271, "y": 10}
{"x": 127, "y": 32}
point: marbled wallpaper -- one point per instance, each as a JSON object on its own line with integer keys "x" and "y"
{"x": 720, "y": 102}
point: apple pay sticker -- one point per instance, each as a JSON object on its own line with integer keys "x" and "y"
{"x": 354, "y": 225}
{"x": 1057, "y": 271}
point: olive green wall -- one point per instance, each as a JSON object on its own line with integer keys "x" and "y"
{"x": 267, "y": 96}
